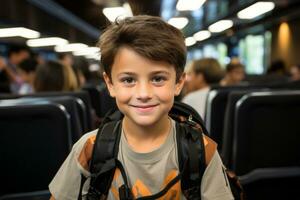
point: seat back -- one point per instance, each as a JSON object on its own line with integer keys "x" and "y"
{"x": 71, "y": 106}
{"x": 84, "y": 105}
{"x": 82, "y": 99}
{"x": 214, "y": 114}
{"x": 95, "y": 97}
{"x": 227, "y": 135}
{"x": 266, "y": 143}
{"x": 228, "y": 124}
{"x": 38, "y": 195}
{"x": 35, "y": 139}
{"x": 215, "y": 109}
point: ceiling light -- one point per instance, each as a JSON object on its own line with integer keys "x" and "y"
{"x": 94, "y": 67}
{"x": 50, "y": 41}
{"x": 87, "y": 51}
{"x": 19, "y": 32}
{"x": 178, "y": 22}
{"x": 255, "y": 10}
{"x": 220, "y": 26}
{"x": 94, "y": 56}
{"x": 190, "y": 41}
{"x": 113, "y": 13}
{"x": 202, "y": 35}
{"x": 189, "y": 4}
{"x": 70, "y": 47}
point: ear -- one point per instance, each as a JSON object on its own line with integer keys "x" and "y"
{"x": 179, "y": 84}
{"x": 109, "y": 85}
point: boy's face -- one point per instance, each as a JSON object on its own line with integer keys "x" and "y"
{"x": 196, "y": 81}
{"x": 144, "y": 89}
{"x": 295, "y": 73}
{"x": 237, "y": 75}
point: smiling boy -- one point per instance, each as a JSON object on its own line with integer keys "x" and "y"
{"x": 143, "y": 59}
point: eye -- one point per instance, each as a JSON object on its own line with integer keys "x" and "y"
{"x": 128, "y": 80}
{"x": 158, "y": 80}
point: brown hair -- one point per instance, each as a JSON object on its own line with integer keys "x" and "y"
{"x": 49, "y": 77}
{"x": 232, "y": 66}
{"x": 53, "y": 76}
{"x": 148, "y": 36}
{"x": 210, "y": 68}
{"x": 70, "y": 82}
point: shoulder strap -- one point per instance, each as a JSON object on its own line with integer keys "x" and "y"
{"x": 103, "y": 165}
{"x": 191, "y": 152}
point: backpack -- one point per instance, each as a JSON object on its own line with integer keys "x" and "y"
{"x": 191, "y": 157}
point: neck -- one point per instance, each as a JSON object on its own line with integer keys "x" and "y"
{"x": 146, "y": 138}
{"x": 202, "y": 85}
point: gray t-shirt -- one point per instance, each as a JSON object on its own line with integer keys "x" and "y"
{"x": 148, "y": 173}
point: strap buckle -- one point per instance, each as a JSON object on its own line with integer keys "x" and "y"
{"x": 192, "y": 193}
{"x": 93, "y": 194}
{"x": 125, "y": 193}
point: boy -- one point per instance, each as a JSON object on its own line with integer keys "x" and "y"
{"x": 143, "y": 59}
{"x": 234, "y": 74}
{"x": 203, "y": 74}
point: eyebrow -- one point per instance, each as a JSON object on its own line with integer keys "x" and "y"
{"x": 152, "y": 73}
{"x": 127, "y": 73}
{"x": 160, "y": 72}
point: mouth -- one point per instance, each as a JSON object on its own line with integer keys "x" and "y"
{"x": 144, "y": 108}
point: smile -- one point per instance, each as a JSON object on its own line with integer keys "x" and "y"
{"x": 144, "y": 108}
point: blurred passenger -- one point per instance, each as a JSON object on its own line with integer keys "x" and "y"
{"x": 16, "y": 54}
{"x": 204, "y": 73}
{"x": 295, "y": 72}
{"x": 26, "y": 70}
{"x": 71, "y": 83}
{"x": 188, "y": 85}
{"x": 234, "y": 74}
{"x": 81, "y": 69}
{"x": 38, "y": 57}
{"x": 65, "y": 58}
{"x": 4, "y": 79}
{"x": 277, "y": 67}
{"x": 51, "y": 76}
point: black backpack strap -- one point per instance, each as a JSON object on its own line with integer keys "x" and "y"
{"x": 102, "y": 164}
{"x": 82, "y": 181}
{"x": 191, "y": 151}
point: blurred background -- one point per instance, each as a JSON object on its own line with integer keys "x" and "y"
{"x": 270, "y": 28}
{"x": 243, "y": 78}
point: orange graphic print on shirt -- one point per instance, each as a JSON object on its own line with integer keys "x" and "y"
{"x": 139, "y": 189}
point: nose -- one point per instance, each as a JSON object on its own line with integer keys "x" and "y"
{"x": 144, "y": 91}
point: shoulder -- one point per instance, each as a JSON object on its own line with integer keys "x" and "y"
{"x": 201, "y": 92}
{"x": 210, "y": 148}
{"x": 189, "y": 96}
{"x": 83, "y": 148}
{"x": 64, "y": 184}
{"x": 214, "y": 184}
{"x": 209, "y": 145}
{"x": 195, "y": 95}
